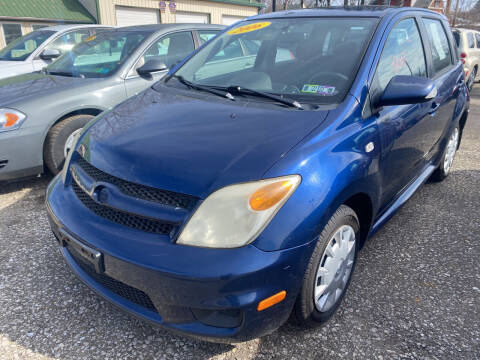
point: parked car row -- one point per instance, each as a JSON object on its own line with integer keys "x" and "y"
{"x": 237, "y": 190}
{"x": 468, "y": 43}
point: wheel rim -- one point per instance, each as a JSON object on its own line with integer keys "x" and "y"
{"x": 471, "y": 81}
{"x": 335, "y": 268}
{"x": 70, "y": 142}
{"x": 451, "y": 150}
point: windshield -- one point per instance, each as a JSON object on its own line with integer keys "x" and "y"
{"x": 98, "y": 56}
{"x": 22, "y": 47}
{"x": 304, "y": 59}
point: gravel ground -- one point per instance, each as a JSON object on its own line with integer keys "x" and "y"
{"x": 415, "y": 292}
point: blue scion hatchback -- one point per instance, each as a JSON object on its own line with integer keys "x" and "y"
{"x": 240, "y": 188}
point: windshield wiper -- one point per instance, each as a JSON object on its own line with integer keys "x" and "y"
{"x": 203, "y": 88}
{"x": 235, "y": 89}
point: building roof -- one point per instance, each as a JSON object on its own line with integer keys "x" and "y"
{"x": 47, "y": 10}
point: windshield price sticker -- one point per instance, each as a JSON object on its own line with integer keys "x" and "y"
{"x": 250, "y": 27}
{"x": 323, "y": 90}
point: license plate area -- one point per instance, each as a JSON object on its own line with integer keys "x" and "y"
{"x": 88, "y": 254}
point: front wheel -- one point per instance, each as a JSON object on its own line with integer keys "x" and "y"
{"x": 448, "y": 156}
{"x": 330, "y": 269}
{"x": 60, "y": 140}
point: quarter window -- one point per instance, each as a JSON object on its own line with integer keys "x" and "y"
{"x": 402, "y": 54}
{"x": 437, "y": 37}
{"x": 206, "y": 35}
{"x": 477, "y": 37}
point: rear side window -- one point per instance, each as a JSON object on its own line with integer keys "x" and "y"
{"x": 470, "y": 40}
{"x": 477, "y": 38}
{"x": 402, "y": 54}
{"x": 206, "y": 35}
{"x": 441, "y": 55}
{"x": 456, "y": 36}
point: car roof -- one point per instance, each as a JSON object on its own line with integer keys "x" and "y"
{"x": 343, "y": 11}
{"x": 163, "y": 27}
{"x": 73, "y": 26}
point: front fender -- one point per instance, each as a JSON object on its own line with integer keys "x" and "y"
{"x": 335, "y": 165}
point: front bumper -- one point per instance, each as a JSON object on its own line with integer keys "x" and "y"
{"x": 21, "y": 153}
{"x": 208, "y": 293}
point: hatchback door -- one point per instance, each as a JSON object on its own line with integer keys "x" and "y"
{"x": 170, "y": 49}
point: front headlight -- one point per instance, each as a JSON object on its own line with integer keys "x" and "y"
{"x": 10, "y": 119}
{"x": 235, "y": 215}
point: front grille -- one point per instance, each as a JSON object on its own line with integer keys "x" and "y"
{"x": 121, "y": 217}
{"x": 139, "y": 191}
{"x": 117, "y": 287}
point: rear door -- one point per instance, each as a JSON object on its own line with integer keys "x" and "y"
{"x": 445, "y": 71}
{"x": 170, "y": 49}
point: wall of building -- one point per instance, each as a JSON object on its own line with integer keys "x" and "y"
{"x": 214, "y": 9}
{"x": 26, "y": 28}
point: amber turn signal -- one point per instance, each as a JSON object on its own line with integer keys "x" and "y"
{"x": 272, "y": 300}
{"x": 269, "y": 195}
{"x": 11, "y": 119}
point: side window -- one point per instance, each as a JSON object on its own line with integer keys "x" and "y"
{"x": 170, "y": 49}
{"x": 470, "y": 40}
{"x": 477, "y": 38}
{"x": 67, "y": 41}
{"x": 402, "y": 55}
{"x": 437, "y": 37}
{"x": 231, "y": 51}
{"x": 206, "y": 35}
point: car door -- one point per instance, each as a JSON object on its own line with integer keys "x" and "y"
{"x": 170, "y": 48}
{"x": 445, "y": 72}
{"x": 403, "y": 129}
{"x": 64, "y": 42}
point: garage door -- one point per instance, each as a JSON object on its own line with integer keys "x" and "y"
{"x": 128, "y": 16}
{"x": 230, "y": 20}
{"x": 192, "y": 17}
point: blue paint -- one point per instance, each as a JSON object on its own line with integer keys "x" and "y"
{"x": 194, "y": 143}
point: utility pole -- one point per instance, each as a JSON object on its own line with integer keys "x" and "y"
{"x": 447, "y": 9}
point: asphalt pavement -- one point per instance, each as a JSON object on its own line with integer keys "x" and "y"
{"x": 415, "y": 292}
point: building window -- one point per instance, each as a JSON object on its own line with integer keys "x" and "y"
{"x": 11, "y": 32}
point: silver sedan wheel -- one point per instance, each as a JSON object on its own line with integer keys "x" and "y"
{"x": 70, "y": 142}
{"x": 335, "y": 268}
{"x": 451, "y": 150}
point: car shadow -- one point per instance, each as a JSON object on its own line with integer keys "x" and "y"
{"x": 46, "y": 310}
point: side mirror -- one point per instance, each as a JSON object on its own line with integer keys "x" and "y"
{"x": 406, "y": 89}
{"x": 50, "y": 54}
{"x": 151, "y": 66}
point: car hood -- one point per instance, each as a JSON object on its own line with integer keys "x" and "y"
{"x": 193, "y": 145}
{"x": 24, "y": 87}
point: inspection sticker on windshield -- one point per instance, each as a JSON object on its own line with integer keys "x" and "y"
{"x": 250, "y": 27}
{"x": 323, "y": 90}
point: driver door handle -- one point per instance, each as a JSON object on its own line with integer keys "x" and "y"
{"x": 434, "y": 108}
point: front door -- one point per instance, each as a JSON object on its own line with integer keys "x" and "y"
{"x": 404, "y": 129}
{"x": 170, "y": 49}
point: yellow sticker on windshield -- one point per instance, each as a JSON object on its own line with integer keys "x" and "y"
{"x": 250, "y": 27}
{"x": 93, "y": 37}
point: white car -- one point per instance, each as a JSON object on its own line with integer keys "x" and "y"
{"x": 37, "y": 49}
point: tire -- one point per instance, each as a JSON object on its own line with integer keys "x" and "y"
{"x": 445, "y": 166}
{"x": 306, "y": 310}
{"x": 53, "y": 150}
{"x": 471, "y": 79}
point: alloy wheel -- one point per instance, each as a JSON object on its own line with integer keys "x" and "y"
{"x": 335, "y": 268}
